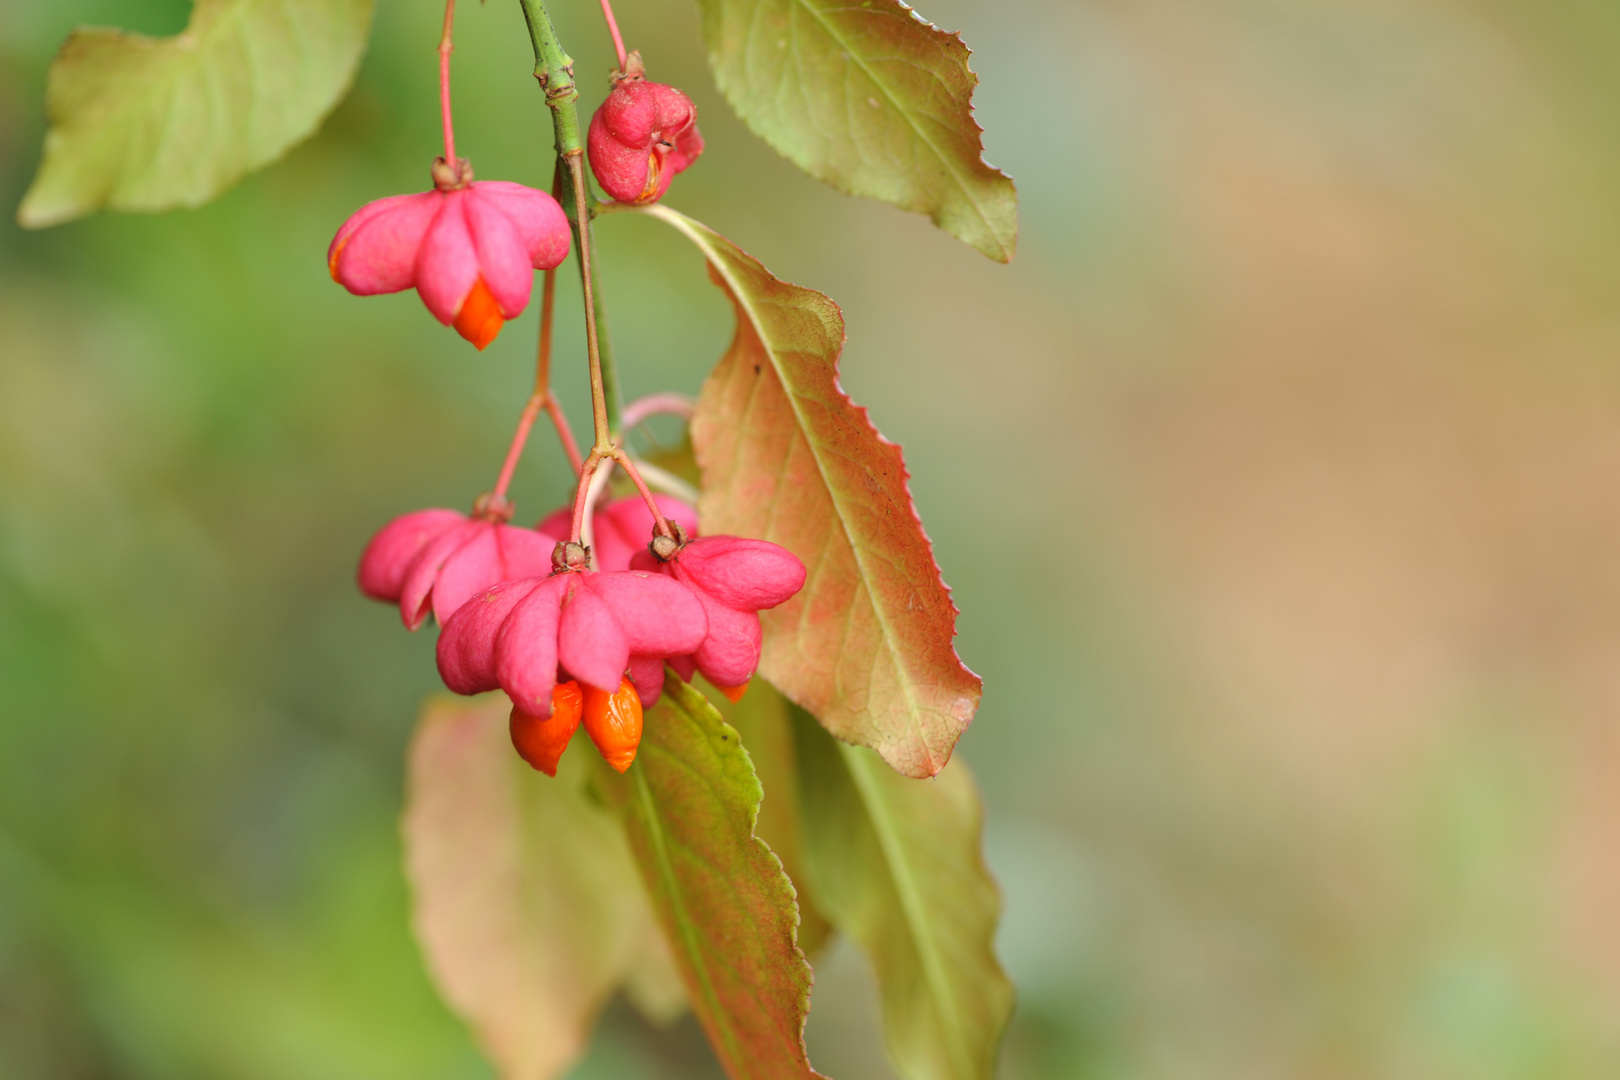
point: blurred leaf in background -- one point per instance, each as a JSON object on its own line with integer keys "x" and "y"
{"x": 144, "y": 123}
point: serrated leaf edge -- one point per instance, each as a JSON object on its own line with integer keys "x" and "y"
{"x": 682, "y": 697}
{"x": 1004, "y": 252}
{"x": 694, "y": 232}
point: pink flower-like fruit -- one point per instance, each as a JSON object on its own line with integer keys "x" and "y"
{"x": 735, "y": 578}
{"x": 641, "y": 136}
{"x": 526, "y": 636}
{"x": 622, "y": 527}
{"x": 433, "y": 560}
{"x": 469, "y": 248}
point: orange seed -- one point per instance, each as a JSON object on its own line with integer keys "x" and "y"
{"x": 480, "y": 318}
{"x": 613, "y": 721}
{"x": 541, "y": 740}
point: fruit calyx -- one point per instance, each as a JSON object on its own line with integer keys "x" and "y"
{"x": 447, "y": 177}
{"x": 664, "y": 548}
{"x": 570, "y": 556}
{"x": 492, "y": 507}
{"x": 634, "y": 70}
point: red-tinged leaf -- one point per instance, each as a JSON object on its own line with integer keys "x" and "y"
{"x": 526, "y": 901}
{"x": 897, "y": 866}
{"x": 788, "y": 457}
{"x": 690, "y": 802}
{"x": 870, "y": 99}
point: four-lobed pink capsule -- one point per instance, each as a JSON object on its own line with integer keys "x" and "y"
{"x": 642, "y": 136}
{"x": 470, "y": 249}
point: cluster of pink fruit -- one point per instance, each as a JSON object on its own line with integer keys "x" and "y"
{"x": 523, "y": 610}
{"x": 571, "y": 632}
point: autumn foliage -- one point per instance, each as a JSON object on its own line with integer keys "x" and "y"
{"x": 787, "y": 570}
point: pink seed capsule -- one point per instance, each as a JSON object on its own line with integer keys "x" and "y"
{"x": 468, "y": 248}
{"x": 734, "y": 578}
{"x": 641, "y": 136}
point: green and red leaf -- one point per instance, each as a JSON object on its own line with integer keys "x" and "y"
{"x": 869, "y": 98}
{"x": 786, "y": 456}
{"x": 690, "y": 803}
{"x": 142, "y": 123}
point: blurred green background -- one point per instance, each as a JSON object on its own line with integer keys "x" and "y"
{"x": 1278, "y": 480}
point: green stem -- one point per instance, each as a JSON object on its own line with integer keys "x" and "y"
{"x": 554, "y": 69}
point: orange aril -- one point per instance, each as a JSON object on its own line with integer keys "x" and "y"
{"x": 331, "y": 263}
{"x": 613, "y": 721}
{"x": 655, "y": 170}
{"x": 541, "y": 740}
{"x": 480, "y": 318}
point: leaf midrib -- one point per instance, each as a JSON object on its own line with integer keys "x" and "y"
{"x": 666, "y": 871}
{"x": 682, "y": 222}
{"x": 914, "y": 907}
{"x": 954, "y": 169}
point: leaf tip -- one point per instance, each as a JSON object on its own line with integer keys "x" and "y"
{"x": 1001, "y": 252}
{"x": 38, "y": 212}
{"x": 997, "y": 238}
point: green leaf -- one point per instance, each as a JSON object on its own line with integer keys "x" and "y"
{"x": 897, "y": 867}
{"x": 526, "y": 900}
{"x": 766, "y": 728}
{"x": 870, "y": 99}
{"x": 690, "y": 803}
{"x": 141, "y": 123}
{"x": 788, "y": 457}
